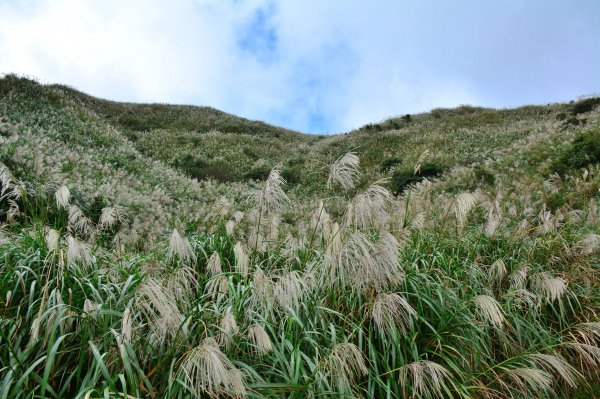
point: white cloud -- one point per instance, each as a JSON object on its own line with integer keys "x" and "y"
{"x": 310, "y": 65}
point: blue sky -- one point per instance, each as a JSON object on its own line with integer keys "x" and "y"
{"x": 314, "y": 66}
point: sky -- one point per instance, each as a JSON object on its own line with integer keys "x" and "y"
{"x": 323, "y": 66}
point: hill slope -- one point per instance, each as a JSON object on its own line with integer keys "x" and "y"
{"x": 447, "y": 254}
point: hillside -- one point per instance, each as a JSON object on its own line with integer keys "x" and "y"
{"x": 154, "y": 250}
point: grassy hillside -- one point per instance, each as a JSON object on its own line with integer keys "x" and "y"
{"x": 173, "y": 251}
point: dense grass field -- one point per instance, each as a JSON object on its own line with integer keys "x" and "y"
{"x": 162, "y": 251}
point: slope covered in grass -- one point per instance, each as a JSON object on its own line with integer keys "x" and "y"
{"x": 453, "y": 254}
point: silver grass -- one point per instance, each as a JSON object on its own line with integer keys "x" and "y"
{"x": 78, "y": 221}
{"x": 391, "y": 313}
{"x": 518, "y": 278}
{"x": 344, "y": 365}
{"x": 160, "y": 308}
{"x": 263, "y": 295}
{"x": 271, "y": 197}
{"x": 182, "y": 283}
{"x": 180, "y": 247}
{"x": 344, "y": 171}
{"x": 593, "y": 216}
{"x": 548, "y": 287}
{"x": 491, "y": 224}
{"x": 6, "y": 181}
{"x": 289, "y": 290}
{"x": 426, "y": 378}
{"x": 13, "y": 211}
{"x": 238, "y": 216}
{"x": 589, "y": 355}
{"x": 588, "y": 332}
{"x": 79, "y": 252}
{"x": 111, "y": 216}
{"x": 216, "y": 286}
{"x": 497, "y": 271}
{"x": 589, "y": 245}
{"x": 417, "y": 167}
{"x": 63, "y": 197}
{"x": 259, "y": 338}
{"x": 522, "y": 298}
{"x": 209, "y": 372}
{"x": 213, "y": 267}
{"x": 242, "y": 261}
{"x": 126, "y": 325}
{"x": 489, "y": 310}
{"x": 530, "y": 378}
{"x": 369, "y": 208}
{"x": 229, "y": 227}
{"x": 557, "y": 365}
{"x": 461, "y": 205}
{"x": 52, "y": 240}
{"x": 228, "y": 327}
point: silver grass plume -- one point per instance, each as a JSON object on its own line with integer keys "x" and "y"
{"x": 63, "y": 197}
{"x": 52, "y": 240}
{"x": 427, "y": 378}
{"x": 263, "y": 296}
{"x": 557, "y": 365}
{"x": 111, "y": 216}
{"x": 259, "y": 338}
{"x": 180, "y": 247}
{"x": 79, "y": 252}
{"x": 369, "y": 208}
{"x": 6, "y": 181}
{"x": 271, "y": 197}
{"x": 391, "y": 313}
{"x": 589, "y": 245}
{"x": 497, "y": 272}
{"x": 289, "y": 290}
{"x": 489, "y": 310}
{"x": 549, "y": 287}
{"x": 344, "y": 365}
{"x": 344, "y": 171}
{"x": 160, "y": 308}
{"x": 228, "y": 327}
{"x": 461, "y": 205}
{"x": 242, "y": 262}
{"x": 526, "y": 378}
{"x": 229, "y": 227}
{"x": 213, "y": 267}
{"x": 417, "y": 167}
{"x": 78, "y": 221}
{"x": 126, "y": 325}
{"x": 216, "y": 286}
{"x": 208, "y": 371}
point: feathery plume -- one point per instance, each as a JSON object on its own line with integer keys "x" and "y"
{"x": 78, "y": 221}
{"x": 126, "y": 325}
{"x": 489, "y": 309}
{"x": 63, "y": 197}
{"x": 427, "y": 378}
{"x": 557, "y": 365}
{"x": 208, "y": 371}
{"x": 534, "y": 379}
{"x": 213, "y": 267}
{"x": 271, "y": 197}
{"x": 344, "y": 365}
{"x": 229, "y": 227}
{"x": 548, "y": 287}
{"x": 229, "y": 328}
{"x": 497, "y": 271}
{"x": 160, "y": 308}
{"x": 259, "y": 338}
{"x": 52, "y": 240}
{"x": 216, "y": 286}
{"x": 391, "y": 312}
{"x": 242, "y": 262}
{"x": 462, "y": 204}
{"x": 111, "y": 216}
{"x": 289, "y": 290}
{"x": 78, "y": 251}
{"x": 263, "y": 295}
{"x": 589, "y": 245}
{"x": 369, "y": 208}
{"x": 181, "y": 247}
{"x": 344, "y": 171}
